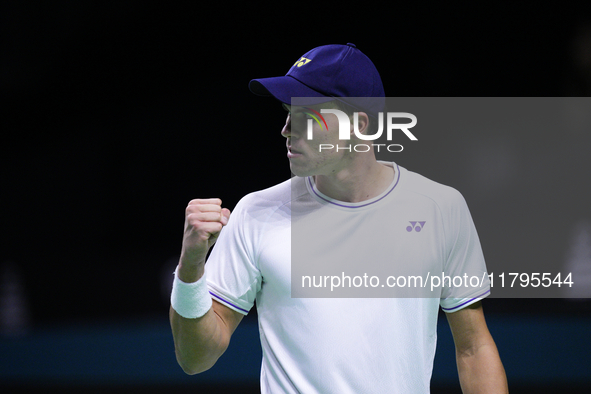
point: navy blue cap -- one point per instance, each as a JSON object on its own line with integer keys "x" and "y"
{"x": 333, "y": 71}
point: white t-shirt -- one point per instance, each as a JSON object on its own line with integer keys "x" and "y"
{"x": 355, "y": 344}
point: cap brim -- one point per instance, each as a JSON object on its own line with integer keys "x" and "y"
{"x": 285, "y": 88}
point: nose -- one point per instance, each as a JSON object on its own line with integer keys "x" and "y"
{"x": 286, "y": 131}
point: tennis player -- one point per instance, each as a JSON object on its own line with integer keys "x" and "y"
{"x": 349, "y": 200}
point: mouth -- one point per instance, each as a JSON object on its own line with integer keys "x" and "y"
{"x": 292, "y": 153}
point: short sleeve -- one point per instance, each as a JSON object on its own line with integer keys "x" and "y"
{"x": 233, "y": 277}
{"x": 465, "y": 266}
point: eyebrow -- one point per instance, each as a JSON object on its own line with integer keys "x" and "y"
{"x": 292, "y": 109}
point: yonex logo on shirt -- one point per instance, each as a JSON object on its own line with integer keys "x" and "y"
{"x": 414, "y": 226}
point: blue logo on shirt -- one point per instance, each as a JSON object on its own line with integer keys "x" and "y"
{"x": 414, "y": 226}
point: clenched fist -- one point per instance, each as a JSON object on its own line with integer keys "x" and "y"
{"x": 204, "y": 219}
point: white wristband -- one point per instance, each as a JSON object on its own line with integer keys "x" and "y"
{"x": 190, "y": 300}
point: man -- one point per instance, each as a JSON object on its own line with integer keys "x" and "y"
{"x": 332, "y": 345}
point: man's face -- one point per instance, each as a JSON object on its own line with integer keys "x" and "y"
{"x": 305, "y": 157}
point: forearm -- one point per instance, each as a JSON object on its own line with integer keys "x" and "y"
{"x": 481, "y": 370}
{"x": 198, "y": 342}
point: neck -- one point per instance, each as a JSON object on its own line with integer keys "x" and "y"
{"x": 356, "y": 184}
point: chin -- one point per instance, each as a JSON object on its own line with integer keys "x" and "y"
{"x": 301, "y": 172}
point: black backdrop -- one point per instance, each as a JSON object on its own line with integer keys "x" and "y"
{"x": 116, "y": 114}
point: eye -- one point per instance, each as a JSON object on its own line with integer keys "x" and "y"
{"x": 300, "y": 116}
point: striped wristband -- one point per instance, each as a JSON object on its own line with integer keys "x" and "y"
{"x": 190, "y": 300}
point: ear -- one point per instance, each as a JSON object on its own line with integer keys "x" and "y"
{"x": 362, "y": 122}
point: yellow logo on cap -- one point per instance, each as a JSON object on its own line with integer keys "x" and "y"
{"x": 301, "y": 62}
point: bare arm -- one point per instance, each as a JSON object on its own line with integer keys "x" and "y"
{"x": 479, "y": 365}
{"x": 200, "y": 342}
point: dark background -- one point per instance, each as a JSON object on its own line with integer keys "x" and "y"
{"x": 116, "y": 114}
